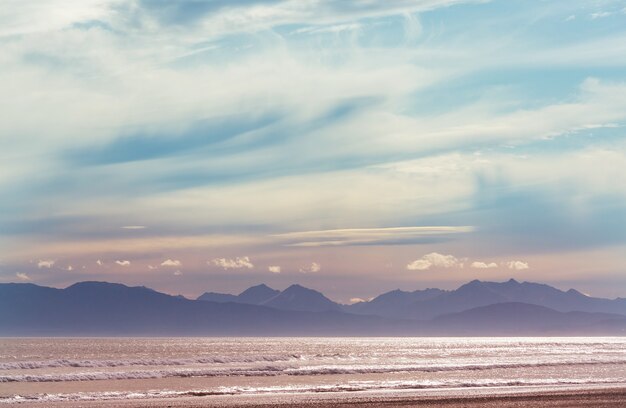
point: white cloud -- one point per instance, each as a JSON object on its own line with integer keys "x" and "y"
{"x": 70, "y": 268}
{"x": 314, "y": 267}
{"x": 357, "y": 300}
{"x": 570, "y": 18}
{"x": 133, "y": 227}
{"x": 483, "y": 265}
{"x": 151, "y": 267}
{"x": 171, "y": 262}
{"x": 99, "y": 262}
{"x": 178, "y": 273}
{"x": 274, "y": 268}
{"x": 237, "y": 263}
{"x": 123, "y": 263}
{"x": 23, "y": 277}
{"x": 337, "y": 28}
{"x": 600, "y": 14}
{"x": 435, "y": 260}
{"x": 517, "y": 265}
{"x": 45, "y": 263}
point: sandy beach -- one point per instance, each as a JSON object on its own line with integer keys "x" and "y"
{"x": 597, "y": 398}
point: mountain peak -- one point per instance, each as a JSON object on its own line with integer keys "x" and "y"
{"x": 95, "y": 285}
{"x": 257, "y": 294}
{"x": 297, "y": 297}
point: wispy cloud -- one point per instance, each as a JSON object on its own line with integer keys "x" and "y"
{"x": 133, "y": 227}
{"x": 23, "y": 277}
{"x": 363, "y": 236}
{"x": 601, "y": 14}
{"x": 123, "y": 262}
{"x": 236, "y": 263}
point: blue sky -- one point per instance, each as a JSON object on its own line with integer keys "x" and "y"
{"x": 353, "y": 146}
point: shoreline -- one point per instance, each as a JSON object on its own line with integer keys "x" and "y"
{"x": 597, "y": 397}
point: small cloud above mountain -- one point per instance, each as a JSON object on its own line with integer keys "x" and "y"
{"x": 517, "y": 265}
{"x": 274, "y": 268}
{"x": 483, "y": 265}
{"x": 434, "y": 260}
{"x": 45, "y": 263}
{"x": 236, "y": 263}
{"x": 23, "y": 277}
{"x": 312, "y": 268}
{"x": 171, "y": 262}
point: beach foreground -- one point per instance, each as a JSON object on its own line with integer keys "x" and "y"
{"x": 598, "y": 398}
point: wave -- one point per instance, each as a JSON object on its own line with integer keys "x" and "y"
{"x": 352, "y": 386}
{"x": 274, "y": 370}
{"x": 29, "y": 365}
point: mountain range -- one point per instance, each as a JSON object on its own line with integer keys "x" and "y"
{"x": 428, "y": 303}
{"x": 476, "y": 308}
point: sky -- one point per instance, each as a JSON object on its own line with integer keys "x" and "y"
{"x": 352, "y": 146}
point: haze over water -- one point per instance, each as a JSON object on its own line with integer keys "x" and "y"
{"x": 62, "y": 369}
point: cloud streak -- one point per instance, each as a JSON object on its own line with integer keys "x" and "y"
{"x": 364, "y": 236}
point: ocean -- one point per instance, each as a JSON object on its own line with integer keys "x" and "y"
{"x": 87, "y": 369}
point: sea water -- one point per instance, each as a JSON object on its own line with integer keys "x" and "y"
{"x": 74, "y": 369}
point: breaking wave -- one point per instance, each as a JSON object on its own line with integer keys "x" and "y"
{"x": 26, "y": 365}
{"x": 352, "y": 386}
{"x": 274, "y": 370}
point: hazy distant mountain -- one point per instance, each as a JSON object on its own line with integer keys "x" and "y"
{"x": 254, "y": 295}
{"x": 395, "y": 304}
{"x": 429, "y": 303}
{"x": 297, "y": 297}
{"x": 257, "y": 295}
{"x": 99, "y": 308}
{"x": 526, "y": 319}
{"x": 218, "y": 297}
{"x": 477, "y": 293}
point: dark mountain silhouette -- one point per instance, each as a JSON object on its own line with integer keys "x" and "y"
{"x": 394, "y": 304}
{"x": 257, "y": 295}
{"x": 525, "y": 319}
{"x": 254, "y": 295}
{"x": 218, "y": 297}
{"x": 429, "y": 303}
{"x": 297, "y": 297}
{"x": 100, "y": 308}
{"x": 477, "y": 293}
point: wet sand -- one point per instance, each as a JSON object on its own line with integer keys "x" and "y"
{"x": 597, "y": 398}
